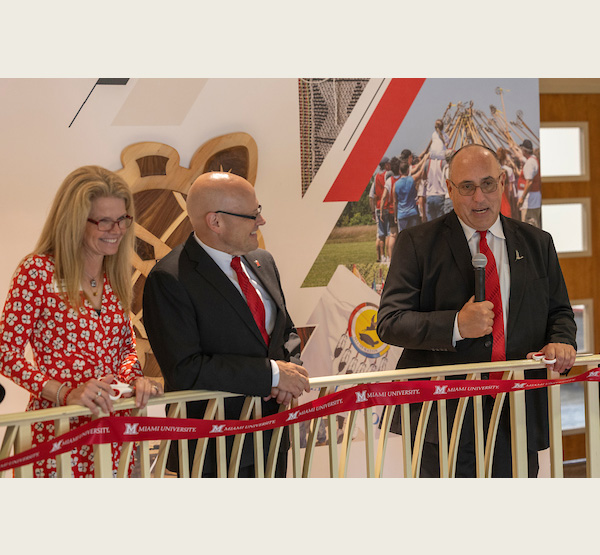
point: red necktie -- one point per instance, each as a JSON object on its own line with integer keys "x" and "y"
{"x": 492, "y": 294}
{"x": 254, "y": 302}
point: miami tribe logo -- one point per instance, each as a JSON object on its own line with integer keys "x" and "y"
{"x": 362, "y": 331}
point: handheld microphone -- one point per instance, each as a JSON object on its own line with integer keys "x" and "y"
{"x": 479, "y": 263}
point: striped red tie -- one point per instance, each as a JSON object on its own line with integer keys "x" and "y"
{"x": 254, "y": 301}
{"x": 492, "y": 294}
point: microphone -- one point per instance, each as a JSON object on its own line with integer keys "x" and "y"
{"x": 479, "y": 263}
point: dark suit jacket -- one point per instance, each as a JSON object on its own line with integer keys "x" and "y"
{"x": 431, "y": 277}
{"x": 204, "y": 336}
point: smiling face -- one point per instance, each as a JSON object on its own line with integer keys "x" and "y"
{"x": 214, "y": 193}
{"x": 239, "y": 236}
{"x": 96, "y": 243}
{"x": 474, "y": 165}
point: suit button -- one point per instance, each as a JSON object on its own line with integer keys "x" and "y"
{"x": 487, "y": 344}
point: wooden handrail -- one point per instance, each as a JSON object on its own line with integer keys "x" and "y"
{"x": 18, "y": 436}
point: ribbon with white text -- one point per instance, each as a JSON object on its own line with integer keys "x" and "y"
{"x": 110, "y": 429}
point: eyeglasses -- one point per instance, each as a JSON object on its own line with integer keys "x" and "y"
{"x": 468, "y": 189}
{"x": 248, "y": 217}
{"x": 106, "y": 224}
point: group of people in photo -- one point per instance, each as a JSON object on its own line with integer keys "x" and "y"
{"x": 409, "y": 188}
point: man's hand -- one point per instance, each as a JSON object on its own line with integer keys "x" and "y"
{"x": 475, "y": 319}
{"x": 562, "y": 352}
{"x": 293, "y": 381}
{"x": 282, "y": 397}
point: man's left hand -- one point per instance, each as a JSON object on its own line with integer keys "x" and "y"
{"x": 282, "y": 397}
{"x": 562, "y": 352}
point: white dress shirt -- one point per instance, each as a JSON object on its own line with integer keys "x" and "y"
{"x": 223, "y": 261}
{"x": 497, "y": 243}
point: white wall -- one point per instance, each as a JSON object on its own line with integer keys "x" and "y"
{"x": 39, "y": 149}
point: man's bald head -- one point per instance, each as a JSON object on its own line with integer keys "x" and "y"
{"x": 213, "y": 193}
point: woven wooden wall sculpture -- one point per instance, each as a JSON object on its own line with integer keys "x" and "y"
{"x": 160, "y": 186}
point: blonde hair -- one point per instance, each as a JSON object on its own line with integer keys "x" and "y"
{"x": 63, "y": 232}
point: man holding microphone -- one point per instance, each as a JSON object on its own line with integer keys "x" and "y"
{"x": 428, "y": 305}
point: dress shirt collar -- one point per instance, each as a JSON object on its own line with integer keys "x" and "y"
{"x": 220, "y": 257}
{"x": 495, "y": 229}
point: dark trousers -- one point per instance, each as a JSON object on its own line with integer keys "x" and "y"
{"x": 465, "y": 462}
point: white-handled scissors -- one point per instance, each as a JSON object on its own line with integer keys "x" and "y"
{"x": 541, "y": 357}
{"x": 120, "y": 388}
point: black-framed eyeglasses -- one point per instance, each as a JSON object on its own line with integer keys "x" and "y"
{"x": 247, "y": 216}
{"x": 467, "y": 189}
{"x": 106, "y": 224}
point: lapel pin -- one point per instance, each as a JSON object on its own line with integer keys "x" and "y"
{"x": 257, "y": 263}
{"x": 518, "y": 256}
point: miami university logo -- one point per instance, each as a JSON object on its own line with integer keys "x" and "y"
{"x": 131, "y": 429}
{"x": 361, "y": 396}
{"x": 520, "y": 386}
{"x": 440, "y": 390}
{"x": 218, "y": 429}
{"x": 293, "y": 415}
{"x": 56, "y": 445}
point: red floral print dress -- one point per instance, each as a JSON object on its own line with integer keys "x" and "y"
{"x": 69, "y": 346}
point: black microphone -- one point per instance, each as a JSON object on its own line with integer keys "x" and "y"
{"x": 479, "y": 263}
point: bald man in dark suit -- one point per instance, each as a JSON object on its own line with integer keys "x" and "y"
{"x": 198, "y": 313}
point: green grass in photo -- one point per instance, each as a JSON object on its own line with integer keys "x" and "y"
{"x": 345, "y": 246}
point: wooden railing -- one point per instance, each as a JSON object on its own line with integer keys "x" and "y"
{"x": 17, "y": 438}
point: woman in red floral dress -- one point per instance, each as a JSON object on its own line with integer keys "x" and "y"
{"x": 70, "y": 301}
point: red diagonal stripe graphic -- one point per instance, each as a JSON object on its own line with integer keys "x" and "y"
{"x": 374, "y": 140}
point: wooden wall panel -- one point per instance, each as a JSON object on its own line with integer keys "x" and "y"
{"x": 581, "y": 274}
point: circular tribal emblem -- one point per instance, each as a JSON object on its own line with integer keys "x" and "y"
{"x": 362, "y": 331}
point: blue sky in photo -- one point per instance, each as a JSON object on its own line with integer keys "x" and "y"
{"x": 435, "y": 95}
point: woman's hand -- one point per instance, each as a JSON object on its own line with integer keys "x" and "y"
{"x": 93, "y": 394}
{"x": 145, "y": 389}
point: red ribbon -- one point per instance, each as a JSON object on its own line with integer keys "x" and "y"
{"x": 110, "y": 429}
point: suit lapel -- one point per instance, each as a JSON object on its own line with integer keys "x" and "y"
{"x": 518, "y": 262}
{"x": 209, "y": 270}
{"x": 455, "y": 237}
{"x": 262, "y": 271}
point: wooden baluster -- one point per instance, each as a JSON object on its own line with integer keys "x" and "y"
{"x": 295, "y": 440}
{"x": 221, "y": 445}
{"x": 369, "y": 442}
{"x": 23, "y": 443}
{"x": 518, "y": 430}
{"x": 383, "y": 437}
{"x": 592, "y": 428}
{"x": 554, "y": 419}
{"x": 63, "y": 461}
{"x": 259, "y": 457}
